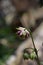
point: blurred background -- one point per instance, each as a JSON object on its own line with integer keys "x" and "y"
{"x": 17, "y": 13}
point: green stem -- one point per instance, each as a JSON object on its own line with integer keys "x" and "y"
{"x": 35, "y": 48}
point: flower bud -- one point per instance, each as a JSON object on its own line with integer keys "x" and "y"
{"x": 32, "y": 56}
{"x": 26, "y": 56}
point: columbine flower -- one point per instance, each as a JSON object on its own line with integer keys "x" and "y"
{"x": 22, "y": 32}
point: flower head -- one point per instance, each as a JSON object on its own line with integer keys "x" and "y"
{"x": 22, "y": 32}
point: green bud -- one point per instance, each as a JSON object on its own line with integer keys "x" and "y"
{"x": 32, "y": 56}
{"x": 26, "y": 56}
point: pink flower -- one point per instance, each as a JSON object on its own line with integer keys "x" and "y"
{"x": 22, "y": 32}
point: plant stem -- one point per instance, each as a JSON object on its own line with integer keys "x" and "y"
{"x": 35, "y": 48}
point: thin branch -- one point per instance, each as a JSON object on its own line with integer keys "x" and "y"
{"x": 35, "y": 48}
